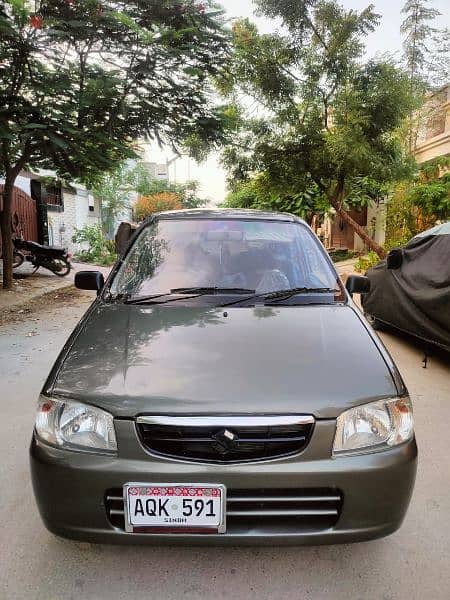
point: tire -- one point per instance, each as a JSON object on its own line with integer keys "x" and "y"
{"x": 373, "y": 322}
{"x": 65, "y": 270}
{"x": 18, "y": 259}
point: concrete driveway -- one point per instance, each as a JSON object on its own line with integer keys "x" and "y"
{"x": 412, "y": 563}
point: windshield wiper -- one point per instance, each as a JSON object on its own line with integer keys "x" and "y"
{"x": 211, "y": 290}
{"x": 270, "y": 297}
{"x": 157, "y": 298}
{"x": 184, "y": 294}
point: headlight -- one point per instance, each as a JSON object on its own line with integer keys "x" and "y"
{"x": 375, "y": 426}
{"x": 75, "y": 426}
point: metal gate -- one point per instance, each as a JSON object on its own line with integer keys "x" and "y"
{"x": 24, "y": 215}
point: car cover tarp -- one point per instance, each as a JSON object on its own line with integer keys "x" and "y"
{"x": 416, "y": 297}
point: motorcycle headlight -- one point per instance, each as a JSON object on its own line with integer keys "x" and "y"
{"x": 75, "y": 426}
{"x": 373, "y": 427}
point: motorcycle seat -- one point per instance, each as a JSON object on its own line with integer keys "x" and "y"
{"x": 29, "y": 245}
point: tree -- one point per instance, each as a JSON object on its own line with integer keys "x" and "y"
{"x": 430, "y": 191}
{"x": 260, "y": 193}
{"x": 117, "y": 188}
{"x": 439, "y": 61}
{"x": 114, "y": 191}
{"x": 320, "y": 119}
{"x": 146, "y": 185}
{"x": 418, "y": 33}
{"x": 433, "y": 197}
{"x": 81, "y": 79}
{"x": 417, "y": 203}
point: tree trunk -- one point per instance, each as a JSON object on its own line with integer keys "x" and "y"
{"x": 5, "y": 228}
{"x": 336, "y": 203}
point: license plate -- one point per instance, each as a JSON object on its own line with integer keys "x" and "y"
{"x": 174, "y": 507}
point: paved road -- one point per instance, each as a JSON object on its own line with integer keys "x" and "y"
{"x": 412, "y": 563}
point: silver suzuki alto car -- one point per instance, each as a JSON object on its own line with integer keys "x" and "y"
{"x": 223, "y": 388}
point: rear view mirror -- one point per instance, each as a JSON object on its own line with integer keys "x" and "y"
{"x": 89, "y": 280}
{"x": 395, "y": 258}
{"x": 357, "y": 284}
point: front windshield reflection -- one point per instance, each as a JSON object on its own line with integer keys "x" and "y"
{"x": 264, "y": 256}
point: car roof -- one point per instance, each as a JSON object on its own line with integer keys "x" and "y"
{"x": 227, "y": 213}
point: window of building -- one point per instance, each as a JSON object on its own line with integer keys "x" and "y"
{"x": 55, "y": 198}
{"x": 436, "y": 124}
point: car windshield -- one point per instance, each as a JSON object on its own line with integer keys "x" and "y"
{"x": 182, "y": 256}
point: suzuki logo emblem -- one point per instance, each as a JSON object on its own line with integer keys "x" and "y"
{"x": 225, "y": 441}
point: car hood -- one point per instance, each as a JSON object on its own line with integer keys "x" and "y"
{"x": 136, "y": 359}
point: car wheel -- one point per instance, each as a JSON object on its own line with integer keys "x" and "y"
{"x": 375, "y": 323}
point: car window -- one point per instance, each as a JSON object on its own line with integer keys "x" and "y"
{"x": 257, "y": 255}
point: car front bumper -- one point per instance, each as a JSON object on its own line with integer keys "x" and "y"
{"x": 71, "y": 490}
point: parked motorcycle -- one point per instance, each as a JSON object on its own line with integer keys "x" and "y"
{"x": 56, "y": 260}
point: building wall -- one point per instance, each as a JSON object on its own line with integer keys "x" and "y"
{"x": 376, "y": 226}
{"x": 433, "y": 138}
{"x": 76, "y": 214}
{"x": 23, "y": 183}
{"x": 157, "y": 170}
{"x": 339, "y": 235}
{"x": 125, "y": 215}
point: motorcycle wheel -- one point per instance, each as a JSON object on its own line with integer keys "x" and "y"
{"x": 66, "y": 268}
{"x": 18, "y": 259}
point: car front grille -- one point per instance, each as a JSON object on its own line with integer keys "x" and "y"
{"x": 283, "y": 510}
{"x": 269, "y": 511}
{"x": 224, "y": 440}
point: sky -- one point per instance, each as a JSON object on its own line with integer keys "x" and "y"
{"x": 386, "y": 38}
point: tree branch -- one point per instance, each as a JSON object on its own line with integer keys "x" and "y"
{"x": 317, "y": 34}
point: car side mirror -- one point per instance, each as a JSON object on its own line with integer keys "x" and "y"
{"x": 395, "y": 259}
{"x": 89, "y": 280}
{"x": 357, "y": 284}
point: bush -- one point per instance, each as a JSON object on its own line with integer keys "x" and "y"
{"x": 147, "y": 205}
{"x": 100, "y": 250}
{"x": 433, "y": 197}
{"x": 364, "y": 263}
{"x": 341, "y": 254}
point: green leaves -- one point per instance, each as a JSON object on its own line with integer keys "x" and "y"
{"x": 117, "y": 188}
{"x": 19, "y": 9}
{"x": 100, "y": 250}
{"x": 89, "y": 77}
{"x": 295, "y": 14}
{"x": 261, "y": 193}
{"x": 432, "y": 197}
{"x": 417, "y": 31}
{"x": 314, "y": 118}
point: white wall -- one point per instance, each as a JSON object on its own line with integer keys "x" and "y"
{"x": 23, "y": 183}
{"x": 376, "y": 226}
{"x": 76, "y": 214}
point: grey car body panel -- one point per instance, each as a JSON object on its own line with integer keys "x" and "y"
{"x": 377, "y": 489}
{"x": 133, "y": 359}
{"x": 180, "y": 360}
